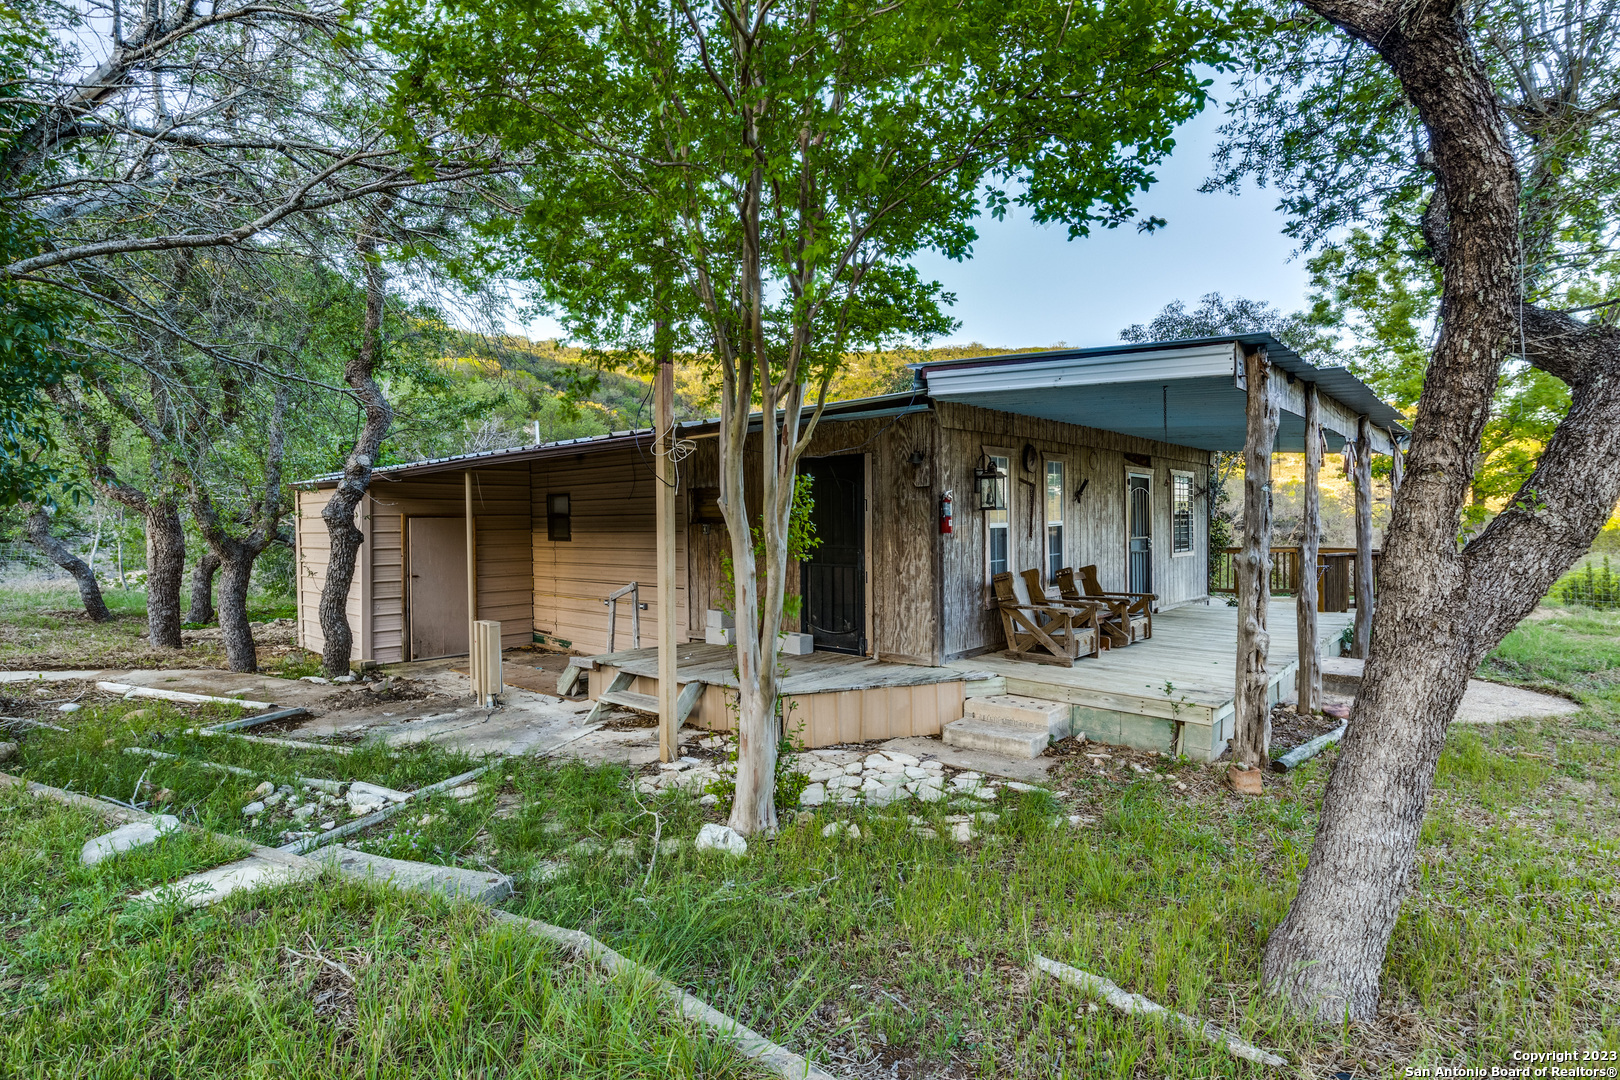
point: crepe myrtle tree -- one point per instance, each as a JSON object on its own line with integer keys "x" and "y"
{"x": 761, "y": 177}
{"x": 1488, "y": 135}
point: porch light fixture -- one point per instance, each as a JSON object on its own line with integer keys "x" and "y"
{"x": 987, "y": 479}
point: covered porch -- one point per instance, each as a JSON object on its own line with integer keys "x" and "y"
{"x": 1205, "y": 676}
{"x": 1173, "y": 692}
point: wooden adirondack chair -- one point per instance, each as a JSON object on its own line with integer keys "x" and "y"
{"x": 1108, "y": 635}
{"x": 1130, "y": 612}
{"x": 1044, "y": 633}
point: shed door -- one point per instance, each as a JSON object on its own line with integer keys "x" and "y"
{"x": 833, "y": 579}
{"x": 1139, "y": 501}
{"x": 438, "y": 554}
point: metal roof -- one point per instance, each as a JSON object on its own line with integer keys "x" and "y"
{"x": 1184, "y": 392}
{"x": 857, "y": 408}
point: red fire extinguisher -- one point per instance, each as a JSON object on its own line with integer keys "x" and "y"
{"x": 946, "y": 515}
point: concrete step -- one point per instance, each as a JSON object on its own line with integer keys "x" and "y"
{"x": 1015, "y": 710}
{"x": 1020, "y": 743}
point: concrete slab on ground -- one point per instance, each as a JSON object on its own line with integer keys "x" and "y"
{"x": 925, "y": 747}
{"x": 285, "y": 693}
{"x": 212, "y": 886}
{"x": 1483, "y": 702}
{"x": 452, "y": 881}
{"x": 8, "y": 677}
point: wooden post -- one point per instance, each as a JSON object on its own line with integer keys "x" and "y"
{"x": 472, "y": 576}
{"x": 1252, "y": 710}
{"x": 664, "y": 425}
{"x": 1397, "y": 469}
{"x": 1309, "y": 682}
{"x": 1364, "y": 568}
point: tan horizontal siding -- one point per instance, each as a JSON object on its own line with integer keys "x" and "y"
{"x": 612, "y": 521}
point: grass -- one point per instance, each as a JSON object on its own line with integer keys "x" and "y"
{"x": 43, "y": 625}
{"x": 331, "y": 980}
{"x": 909, "y": 953}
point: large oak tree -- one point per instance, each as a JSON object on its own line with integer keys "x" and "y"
{"x": 1488, "y": 134}
{"x": 767, "y": 173}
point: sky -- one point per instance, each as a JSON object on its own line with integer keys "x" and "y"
{"x": 1030, "y": 286}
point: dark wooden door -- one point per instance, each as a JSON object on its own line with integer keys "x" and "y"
{"x": 833, "y": 579}
{"x": 1139, "y": 504}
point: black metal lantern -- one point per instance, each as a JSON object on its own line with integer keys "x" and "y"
{"x": 987, "y": 479}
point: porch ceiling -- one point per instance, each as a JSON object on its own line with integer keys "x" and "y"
{"x": 1180, "y": 392}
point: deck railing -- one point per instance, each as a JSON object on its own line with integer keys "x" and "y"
{"x": 1335, "y": 574}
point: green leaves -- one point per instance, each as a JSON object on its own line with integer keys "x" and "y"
{"x": 872, "y": 132}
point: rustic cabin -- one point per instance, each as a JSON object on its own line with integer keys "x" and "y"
{"x": 957, "y": 522}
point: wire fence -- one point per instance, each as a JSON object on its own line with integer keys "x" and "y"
{"x": 1593, "y": 585}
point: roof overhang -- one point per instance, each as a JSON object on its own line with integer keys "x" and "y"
{"x": 1190, "y": 393}
{"x": 886, "y": 405}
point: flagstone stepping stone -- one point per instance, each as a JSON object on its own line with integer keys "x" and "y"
{"x": 134, "y": 835}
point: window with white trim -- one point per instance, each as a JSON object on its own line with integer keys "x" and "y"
{"x": 1054, "y": 517}
{"x": 1181, "y": 513}
{"x": 997, "y": 535}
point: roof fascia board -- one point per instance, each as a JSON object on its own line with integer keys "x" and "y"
{"x": 1160, "y": 365}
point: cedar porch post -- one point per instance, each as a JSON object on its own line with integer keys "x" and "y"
{"x": 472, "y": 578}
{"x": 1397, "y": 468}
{"x": 664, "y": 434}
{"x": 1309, "y": 683}
{"x": 1364, "y": 569}
{"x": 1252, "y": 710}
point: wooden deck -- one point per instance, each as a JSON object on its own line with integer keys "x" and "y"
{"x": 1172, "y": 692}
{"x": 818, "y": 673}
{"x": 828, "y": 697}
{"x": 1175, "y": 688}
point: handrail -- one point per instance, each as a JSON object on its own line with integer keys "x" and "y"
{"x": 1335, "y": 573}
{"x": 633, "y": 591}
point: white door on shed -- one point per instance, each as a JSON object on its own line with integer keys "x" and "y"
{"x": 438, "y": 589}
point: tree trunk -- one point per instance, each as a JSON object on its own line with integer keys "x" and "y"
{"x": 345, "y": 537}
{"x": 39, "y": 533}
{"x": 202, "y": 588}
{"x": 1308, "y": 687}
{"x": 165, "y": 571}
{"x": 1252, "y": 709}
{"x": 236, "y": 573}
{"x": 1440, "y": 610}
{"x": 1365, "y": 604}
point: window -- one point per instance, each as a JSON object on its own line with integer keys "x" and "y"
{"x": 1181, "y": 513}
{"x": 1054, "y": 518}
{"x": 559, "y": 525}
{"x": 996, "y": 520}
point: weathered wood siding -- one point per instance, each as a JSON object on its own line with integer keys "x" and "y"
{"x": 613, "y": 544}
{"x": 1094, "y": 528}
{"x": 501, "y": 518}
{"x": 902, "y": 599}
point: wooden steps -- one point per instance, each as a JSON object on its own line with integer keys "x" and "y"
{"x": 628, "y": 699}
{"x": 619, "y": 695}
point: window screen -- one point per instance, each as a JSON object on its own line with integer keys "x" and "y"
{"x": 1181, "y": 513}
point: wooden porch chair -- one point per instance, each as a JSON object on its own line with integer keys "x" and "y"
{"x": 1132, "y": 612}
{"x": 1044, "y": 633}
{"x": 1108, "y": 635}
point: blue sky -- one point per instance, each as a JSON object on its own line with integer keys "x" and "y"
{"x": 1030, "y": 286}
